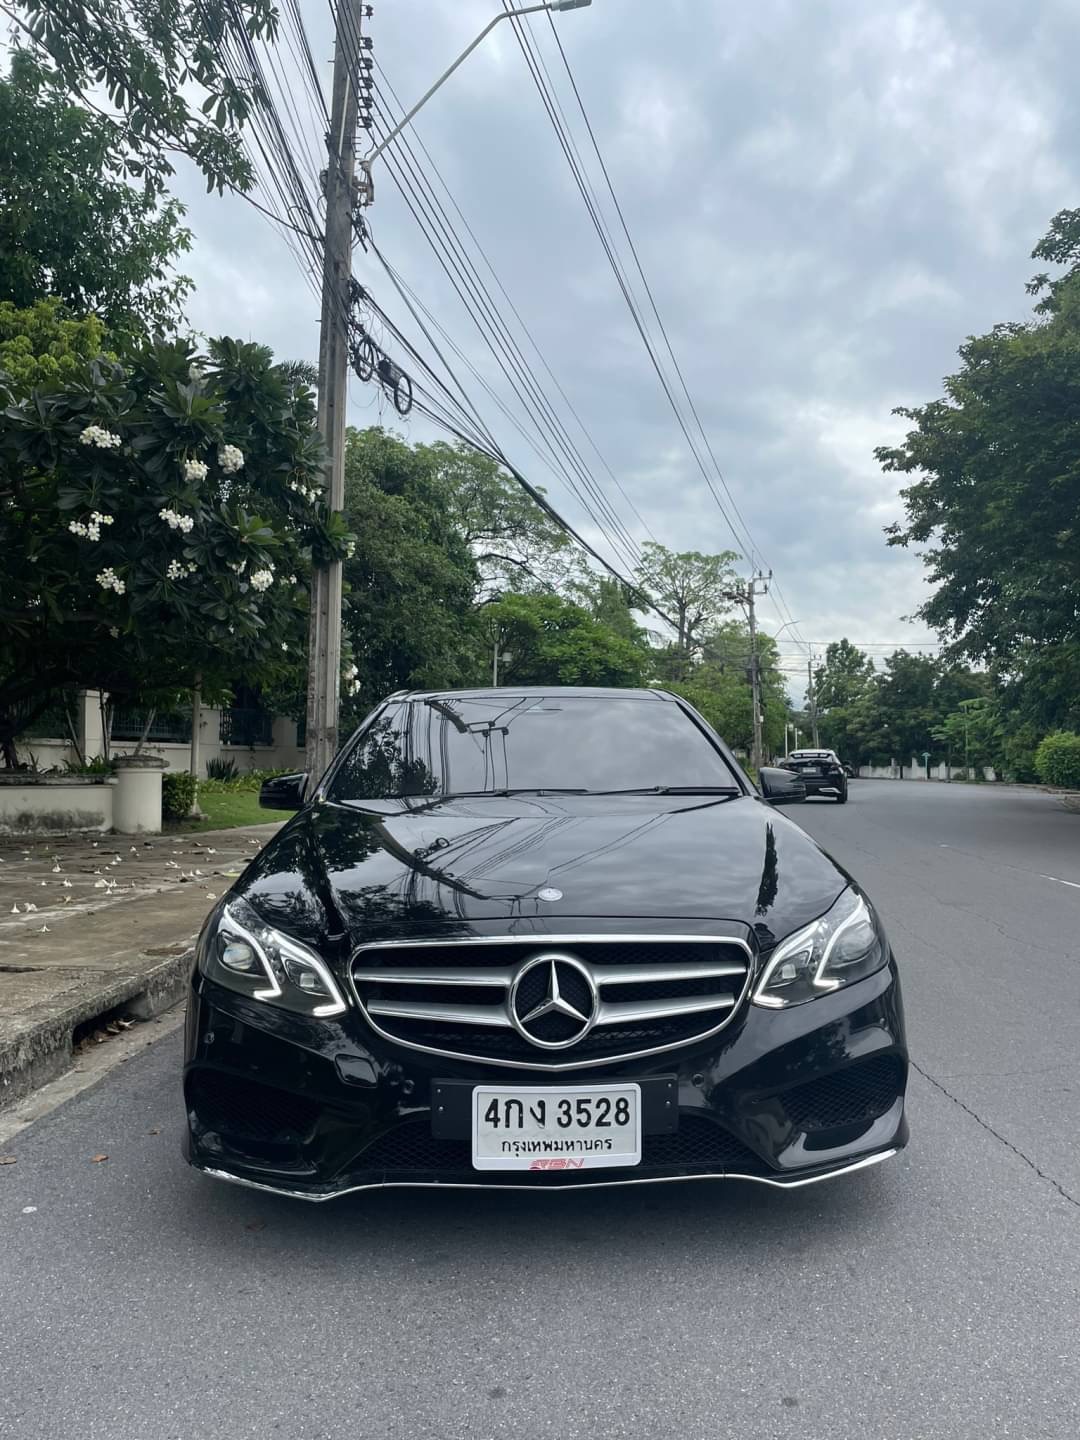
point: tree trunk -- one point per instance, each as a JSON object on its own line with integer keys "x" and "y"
{"x": 151, "y": 713}
{"x": 193, "y": 762}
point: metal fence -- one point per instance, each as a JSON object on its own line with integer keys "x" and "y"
{"x": 246, "y": 726}
{"x": 168, "y": 727}
{"x": 50, "y": 724}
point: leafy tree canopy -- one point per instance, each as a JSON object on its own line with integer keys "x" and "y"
{"x": 412, "y": 579}
{"x": 164, "y": 68}
{"x": 995, "y": 498}
{"x": 157, "y": 520}
{"x": 552, "y": 641}
{"x": 695, "y": 590}
{"x": 70, "y": 227}
{"x": 42, "y": 345}
{"x": 517, "y": 546}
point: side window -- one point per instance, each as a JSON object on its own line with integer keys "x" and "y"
{"x": 381, "y": 768}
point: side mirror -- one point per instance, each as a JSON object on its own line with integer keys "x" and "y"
{"x": 283, "y": 792}
{"x": 780, "y": 787}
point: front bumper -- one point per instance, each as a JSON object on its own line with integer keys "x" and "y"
{"x": 318, "y": 1109}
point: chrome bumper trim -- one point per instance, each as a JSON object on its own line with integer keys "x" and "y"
{"x": 795, "y": 1184}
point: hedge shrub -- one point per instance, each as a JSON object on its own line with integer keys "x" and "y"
{"x": 1057, "y": 760}
{"x": 177, "y": 794}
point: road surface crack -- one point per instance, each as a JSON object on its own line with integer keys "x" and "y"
{"x": 1065, "y": 1195}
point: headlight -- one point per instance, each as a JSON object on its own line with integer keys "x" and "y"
{"x": 245, "y": 955}
{"x": 845, "y": 945}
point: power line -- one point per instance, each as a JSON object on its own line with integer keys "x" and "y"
{"x": 450, "y": 252}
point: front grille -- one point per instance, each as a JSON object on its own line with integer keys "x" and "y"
{"x": 862, "y": 1092}
{"x": 697, "y": 1147}
{"x": 640, "y": 994}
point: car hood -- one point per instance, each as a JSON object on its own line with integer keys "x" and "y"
{"x": 493, "y": 864}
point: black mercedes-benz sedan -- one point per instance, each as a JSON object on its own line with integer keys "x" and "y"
{"x": 545, "y": 938}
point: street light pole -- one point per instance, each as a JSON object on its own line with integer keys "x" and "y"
{"x": 367, "y": 184}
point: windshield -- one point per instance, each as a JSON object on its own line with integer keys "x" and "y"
{"x": 487, "y": 744}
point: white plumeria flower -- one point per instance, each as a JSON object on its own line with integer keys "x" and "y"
{"x": 284, "y": 646}
{"x": 114, "y": 631}
{"x": 262, "y": 580}
{"x": 175, "y": 521}
{"x": 98, "y": 436}
{"x": 231, "y": 459}
{"x": 109, "y": 580}
{"x": 351, "y": 672}
{"x": 196, "y": 470}
{"x": 176, "y": 570}
{"x": 237, "y": 566}
{"x": 292, "y": 580}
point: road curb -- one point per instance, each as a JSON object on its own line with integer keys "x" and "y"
{"x": 42, "y": 1050}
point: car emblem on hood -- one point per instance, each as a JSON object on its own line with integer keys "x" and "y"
{"x": 553, "y": 1000}
{"x": 549, "y": 893}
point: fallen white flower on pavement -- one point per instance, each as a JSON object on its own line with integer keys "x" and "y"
{"x": 56, "y": 869}
{"x": 210, "y": 895}
{"x": 44, "y": 930}
{"x": 15, "y": 910}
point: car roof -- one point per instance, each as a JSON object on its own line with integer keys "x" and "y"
{"x": 572, "y": 692}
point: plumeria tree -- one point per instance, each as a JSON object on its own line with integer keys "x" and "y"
{"x": 158, "y": 521}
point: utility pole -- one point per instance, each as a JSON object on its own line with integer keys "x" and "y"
{"x": 811, "y": 699}
{"x": 749, "y": 595}
{"x": 324, "y": 636}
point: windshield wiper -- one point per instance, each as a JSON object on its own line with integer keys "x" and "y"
{"x": 674, "y": 790}
{"x": 518, "y": 790}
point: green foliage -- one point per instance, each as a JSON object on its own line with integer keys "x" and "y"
{"x": 72, "y": 228}
{"x": 99, "y": 765}
{"x": 719, "y": 685}
{"x": 220, "y": 768}
{"x": 165, "y": 71}
{"x": 411, "y": 579}
{"x": 552, "y": 641}
{"x": 177, "y": 794}
{"x": 995, "y": 496}
{"x": 516, "y": 546}
{"x": 127, "y": 568}
{"x": 1057, "y": 760}
{"x": 42, "y": 345}
{"x": 972, "y": 735}
{"x": 693, "y": 589}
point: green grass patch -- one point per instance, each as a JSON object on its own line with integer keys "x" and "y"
{"x": 225, "y": 809}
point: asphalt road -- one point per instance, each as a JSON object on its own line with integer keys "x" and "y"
{"x": 937, "y": 1296}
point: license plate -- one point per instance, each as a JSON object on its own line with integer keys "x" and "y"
{"x": 543, "y": 1127}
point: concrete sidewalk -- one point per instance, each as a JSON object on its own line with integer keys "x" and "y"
{"x": 91, "y": 929}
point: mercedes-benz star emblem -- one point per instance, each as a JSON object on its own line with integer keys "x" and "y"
{"x": 570, "y": 992}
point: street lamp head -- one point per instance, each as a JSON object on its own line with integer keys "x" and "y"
{"x": 567, "y": 4}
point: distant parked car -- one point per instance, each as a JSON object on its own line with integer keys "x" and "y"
{"x": 850, "y": 771}
{"x": 821, "y": 771}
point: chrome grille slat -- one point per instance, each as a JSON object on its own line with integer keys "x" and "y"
{"x": 706, "y": 993}
{"x": 628, "y": 1011}
{"x": 657, "y": 974}
{"x": 451, "y": 1013}
{"x": 495, "y": 977}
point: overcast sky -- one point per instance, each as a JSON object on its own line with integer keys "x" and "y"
{"x": 827, "y": 197}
